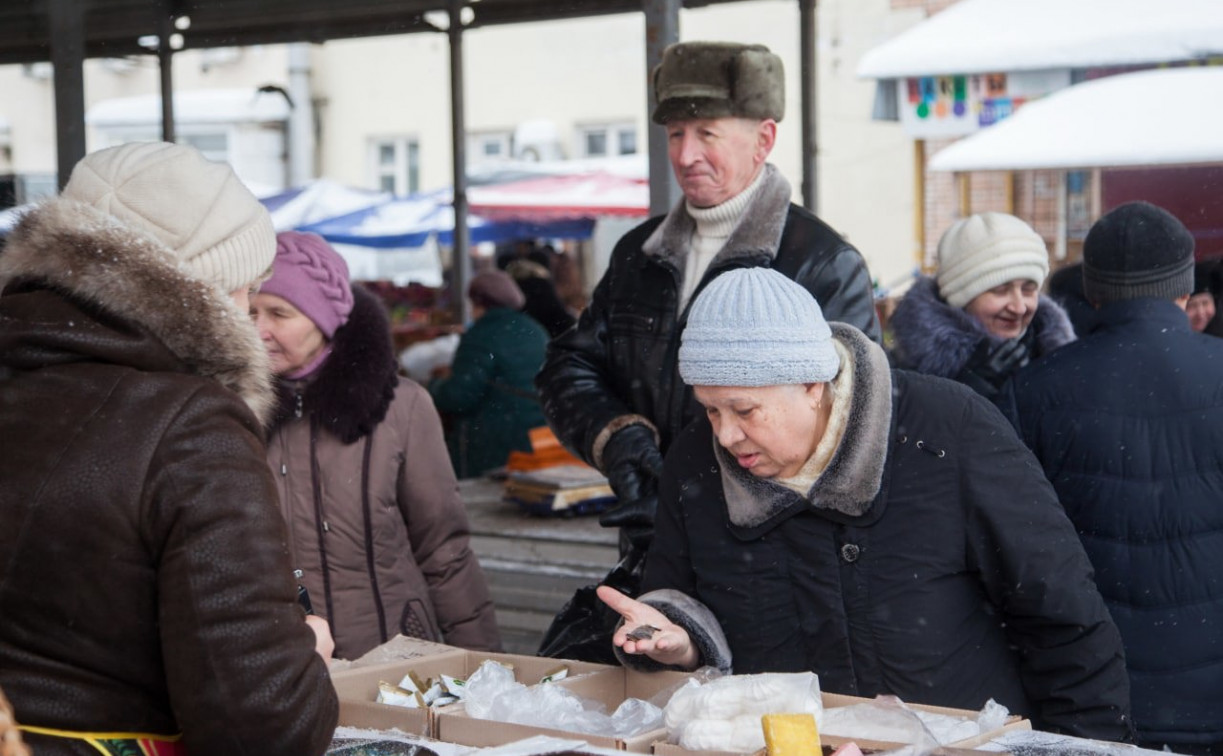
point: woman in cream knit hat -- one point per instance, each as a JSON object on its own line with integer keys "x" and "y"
{"x": 145, "y": 589}
{"x": 981, "y": 317}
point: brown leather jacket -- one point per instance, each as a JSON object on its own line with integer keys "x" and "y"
{"x": 144, "y": 584}
{"x": 375, "y": 520}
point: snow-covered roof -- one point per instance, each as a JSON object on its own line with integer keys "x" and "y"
{"x": 985, "y": 36}
{"x": 190, "y": 107}
{"x": 1156, "y": 117}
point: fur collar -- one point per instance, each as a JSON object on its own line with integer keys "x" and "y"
{"x": 94, "y": 258}
{"x": 854, "y": 475}
{"x": 934, "y": 338}
{"x": 352, "y": 390}
{"x": 757, "y": 233}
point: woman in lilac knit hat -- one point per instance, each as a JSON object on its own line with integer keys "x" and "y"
{"x": 375, "y": 522}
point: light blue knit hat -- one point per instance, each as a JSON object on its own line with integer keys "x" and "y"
{"x": 755, "y": 327}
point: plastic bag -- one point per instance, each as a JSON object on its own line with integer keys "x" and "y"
{"x": 724, "y": 714}
{"x": 492, "y": 693}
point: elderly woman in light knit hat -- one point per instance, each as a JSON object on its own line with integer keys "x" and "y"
{"x": 148, "y": 600}
{"x": 981, "y": 317}
{"x": 375, "y": 521}
{"x": 885, "y": 530}
{"x": 489, "y": 390}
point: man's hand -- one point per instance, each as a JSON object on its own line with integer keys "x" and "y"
{"x": 647, "y": 631}
{"x": 632, "y": 464}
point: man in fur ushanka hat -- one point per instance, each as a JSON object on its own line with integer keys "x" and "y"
{"x": 610, "y": 386}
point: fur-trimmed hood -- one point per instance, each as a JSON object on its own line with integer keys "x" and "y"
{"x": 758, "y": 233}
{"x": 854, "y": 475}
{"x": 934, "y": 338}
{"x": 352, "y": 390}
{"x": 94, "y": 259}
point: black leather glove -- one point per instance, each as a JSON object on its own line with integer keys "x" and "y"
{"x": 632, "y": 464}
{"x": 992, "y": 363}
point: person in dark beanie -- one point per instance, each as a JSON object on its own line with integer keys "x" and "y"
{"x": 358, "y": 453}
{"x": 488, "y": 394}
{"x": 610, "y": 386}
{"x": 1128, "y": 425}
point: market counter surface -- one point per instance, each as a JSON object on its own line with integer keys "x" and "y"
{"x": 533, "y": 564}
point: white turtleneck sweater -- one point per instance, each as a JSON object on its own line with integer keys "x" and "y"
{"x": 713, "y": 227}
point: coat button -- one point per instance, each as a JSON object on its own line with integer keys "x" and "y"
{"x": 850, "y": 552}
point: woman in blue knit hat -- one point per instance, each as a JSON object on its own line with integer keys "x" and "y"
{"x": 883, "y": 529}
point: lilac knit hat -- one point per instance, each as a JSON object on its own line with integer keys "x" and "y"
{"x": 313, "y": 278}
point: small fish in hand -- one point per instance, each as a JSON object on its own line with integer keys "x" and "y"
{"x": 642, "y": 632}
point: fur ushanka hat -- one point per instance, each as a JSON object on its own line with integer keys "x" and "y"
{"x": 718, "y": 80}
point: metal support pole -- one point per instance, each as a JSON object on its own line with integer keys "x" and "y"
{"x": 661, "y": 29}
{"x": 809, "y": 81}
{"x": 67, "y": 24}
{"x": 301, "y": 118}
{"x": 460, "y": 271}
{"x": 165, "y": 64}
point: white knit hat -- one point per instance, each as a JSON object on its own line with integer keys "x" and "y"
{"x": 985, "y": 250}
{"x": 196, "y": 207}
{"x": 755, "y": 327}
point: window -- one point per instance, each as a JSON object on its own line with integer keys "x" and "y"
{"x": 214, "y": 146}
{"x": 396, "y": 165}
{"x": 489, "y": 145}
{"x": 602, "y": 140}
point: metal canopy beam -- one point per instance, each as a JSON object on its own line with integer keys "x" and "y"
{"x": 113, "y": 26}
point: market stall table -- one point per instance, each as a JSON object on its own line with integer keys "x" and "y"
{"x": 533, "y": 564}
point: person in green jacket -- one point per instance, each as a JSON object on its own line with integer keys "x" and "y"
{"x": 488, "y": 396}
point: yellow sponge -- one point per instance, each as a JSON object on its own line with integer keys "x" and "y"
{"x": 791, "y": 735}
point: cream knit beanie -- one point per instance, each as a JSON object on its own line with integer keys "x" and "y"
{"x": 985, "y": 250}
{"x": 198, "y": 208}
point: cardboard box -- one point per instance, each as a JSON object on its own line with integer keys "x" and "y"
{"x": 609, "y": 687}
{"x": 357, "y": 688}
{"x": 833, "y": 700}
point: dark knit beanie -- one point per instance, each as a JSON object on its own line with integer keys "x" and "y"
{"x": 698, "y": 80}
{"x": 1137, "y": 250}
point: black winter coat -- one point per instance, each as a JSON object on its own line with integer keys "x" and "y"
{"x": 930, "y": 560}
{"x": 1128, "y": 424}
{"x": 620, "y": 359}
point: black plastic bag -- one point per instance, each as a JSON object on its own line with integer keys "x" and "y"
{"x": 583, "y": 628}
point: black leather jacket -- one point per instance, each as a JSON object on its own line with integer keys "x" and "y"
{"x": 620, "y": 359}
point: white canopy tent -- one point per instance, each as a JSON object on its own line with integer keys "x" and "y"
{"x": 985, "y": 36}
{"x": 1158, "y": 117}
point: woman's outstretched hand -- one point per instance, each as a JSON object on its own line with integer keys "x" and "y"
{"x": 647, "y": 631}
